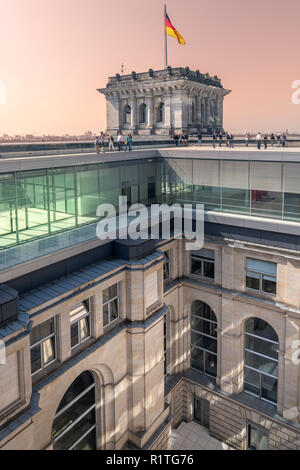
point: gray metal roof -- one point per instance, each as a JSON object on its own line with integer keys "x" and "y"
{"x": 50, "y": 291}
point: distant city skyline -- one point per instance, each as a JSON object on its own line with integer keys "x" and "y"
{"x": 54, "y": 55}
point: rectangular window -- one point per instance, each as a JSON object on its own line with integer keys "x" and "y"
{"x": 258, "y": 438}
{"x": 42, "y": 345}
{"x": 80, "y": 323}
{"x": 201, "y": 411}
{"x": 166, "y": 269}
{"x": 203, "y": 263}
{"x": 111, "y": 304}
{"x": 261, "y": 275}
{"x": 166, "y": 266}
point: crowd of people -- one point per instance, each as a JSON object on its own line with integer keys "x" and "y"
{"x": 121, "y": 142}
{"x": 218, "y": 139}
{"x": 227, "y": 138}
{"x": 181, "y": 139}
{"x": 278, "y": 139}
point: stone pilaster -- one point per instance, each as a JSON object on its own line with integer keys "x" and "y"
{"x": 134, "y": 117}
{"x": 177, "y": 109}
{"x": 207, "y": 112}
{"x": 150, "y": 108}
{"x": 220, "y": 111}
{"x": 168, "y": 116}
{"x": 230, "y": 373}
{"x": 113, "y": 113}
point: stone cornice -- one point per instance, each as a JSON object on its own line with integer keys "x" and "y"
{"x": 158, "y": 88}
{"x": 162, "y": 80}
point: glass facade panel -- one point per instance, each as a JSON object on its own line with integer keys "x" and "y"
{"x": 236, "y": 200}
{"x": 266, "y": 204}
{"x": 209, "y": 196}
{"x": 39, "y": 203}
{"x": 292, "y": 206}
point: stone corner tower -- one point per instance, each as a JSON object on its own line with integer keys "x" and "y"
{"x": 164, "y": 101}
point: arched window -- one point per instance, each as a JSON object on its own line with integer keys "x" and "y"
{"x": 74, "y": 426}
{"x": 127, "y": 114}
{"x": 261, "y": 360}
{"x": 161, "y": 112}
{"x": 203, "y": 338}
{"x": 143, "y": 114}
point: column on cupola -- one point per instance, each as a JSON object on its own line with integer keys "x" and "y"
{"x": 189, "y": 108}
{"x": 199, "y": 110}
{"x": 220, "y": 111}
{"x": 194, "y": 106}
{"x": 202, "y": 110}
{"x": 167, "y": 98}
{"x": 212, "y": 112}
{"x": 149, "y": 100}
{"x": 133, "y": 105}
{"x": 178, "y": 109}
{"x": 207, "y": 112}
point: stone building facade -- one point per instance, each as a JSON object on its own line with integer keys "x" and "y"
{"x": 163, "y": 102}
{"x": 110, "y": 345}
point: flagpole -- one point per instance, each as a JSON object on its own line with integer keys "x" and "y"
{"x": 166, "y": 40}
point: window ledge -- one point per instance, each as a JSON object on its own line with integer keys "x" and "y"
{"x": 44, "y": 373}
{"x": 260, "y": 294}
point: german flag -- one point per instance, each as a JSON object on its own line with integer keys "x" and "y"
{"x": 172, "y": 31}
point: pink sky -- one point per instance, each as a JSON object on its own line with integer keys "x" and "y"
{"x": 55, "y": 53}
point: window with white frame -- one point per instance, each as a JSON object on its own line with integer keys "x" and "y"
{"x": 203, "y": 263}
{"x": 111, "y": 304}
{"x": 261, "y": 275}
{"x": 42, "y": 345}
{"x": 80, "y": 319}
